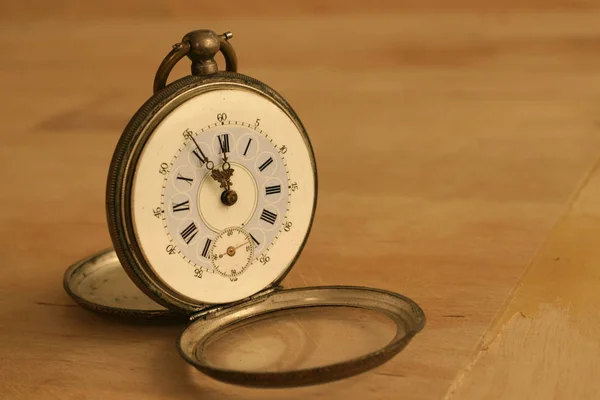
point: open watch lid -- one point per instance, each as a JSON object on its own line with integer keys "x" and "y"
{"x": 100, "y": 284}
{"x": 279, "y": 332}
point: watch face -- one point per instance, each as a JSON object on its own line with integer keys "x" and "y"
{"x": 221, "y": 193}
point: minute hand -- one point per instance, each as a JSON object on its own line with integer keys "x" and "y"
{"x": 202, "y": 157}
{"x": 217, "y": 175}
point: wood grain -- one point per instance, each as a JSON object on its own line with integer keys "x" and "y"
{"x": 545, "y": 342}
{"x": 449, "y": 140}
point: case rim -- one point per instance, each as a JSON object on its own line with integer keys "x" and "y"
{"x": 122, "y": 170}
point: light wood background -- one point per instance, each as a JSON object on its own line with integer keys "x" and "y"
{"x": 456, "y": 143}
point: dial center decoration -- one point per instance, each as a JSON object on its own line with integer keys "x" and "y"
{"x": 229, "y": 197}
{"x": 217, "y": 215}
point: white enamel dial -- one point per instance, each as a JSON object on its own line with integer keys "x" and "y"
{"x": 198, "y": 244}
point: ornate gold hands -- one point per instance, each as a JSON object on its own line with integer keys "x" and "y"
{"x": 223, "y": 176}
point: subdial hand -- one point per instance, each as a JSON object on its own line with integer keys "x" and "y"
{"x": 243, "y": 244}
{"x": 232, "y": 250}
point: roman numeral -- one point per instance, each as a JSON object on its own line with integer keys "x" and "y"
{"x": 273, "y": 189}
{"x": 247, "y": 146}
{"x": 255, "y": 241}
{"x": 189, "y": 232}
{"x": 183, "y": 178}
{"x": 206, "y": 248}
{"x": 183, "y": 206}
{"x": 201, "y": 156}
{"x": 268, "y": 216}
{"x": 265, "y": 164}
{"x": 224, "y": 143}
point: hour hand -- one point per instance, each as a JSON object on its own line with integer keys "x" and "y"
{"x": 226, "y": 167}
{"x": 224, "y": 146}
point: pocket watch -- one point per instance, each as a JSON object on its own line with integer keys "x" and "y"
{"x": 210, "y": 198}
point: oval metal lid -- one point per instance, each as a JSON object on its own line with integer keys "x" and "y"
{"x": 406, "y": 316}
{"x": 100, "y": 284}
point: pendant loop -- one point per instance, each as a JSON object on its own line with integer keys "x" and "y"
{"x": 200, "y": 46}
{"x": 177, "y": 53}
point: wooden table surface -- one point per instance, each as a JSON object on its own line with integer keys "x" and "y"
{"x": 457, "y": 146}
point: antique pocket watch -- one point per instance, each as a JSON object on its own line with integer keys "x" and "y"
{"x": 210, "y": 198}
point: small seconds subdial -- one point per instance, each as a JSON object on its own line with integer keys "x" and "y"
{"x": 232, "y": 252}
